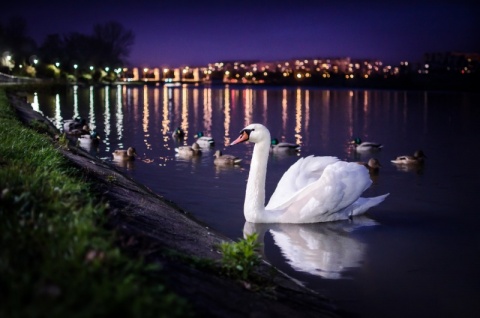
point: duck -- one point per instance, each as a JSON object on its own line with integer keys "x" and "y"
{"x": 87, "y": 140}
{"x": 365, "y": 145}
{"x": 77, "y": 123}
{"x": 178, "y": 133}
{"x": 204, "y": 141}
{"x": 225, "y": 159}
{"x": 373, "y": 165}
{"x": 122, "y": 154}
{"x": 418, "y": 158}
{"x": 277, "y": 146}
{"x": 189, "y": 151}
{"x": 79, "y": 131}
{"x": 314, "y": 189}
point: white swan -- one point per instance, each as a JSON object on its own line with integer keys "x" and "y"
{"x": 314, "y": 189}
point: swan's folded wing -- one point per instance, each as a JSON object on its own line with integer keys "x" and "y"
{"x": 302, "y": 173}
{"x": 340, "y": 185}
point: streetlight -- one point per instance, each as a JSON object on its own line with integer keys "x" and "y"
{"x": 75, "y": 66}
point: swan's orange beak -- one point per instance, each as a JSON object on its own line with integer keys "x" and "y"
{"x": 242, "y": 138}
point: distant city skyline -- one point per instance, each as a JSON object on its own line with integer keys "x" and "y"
{"x": 179, "y": 33}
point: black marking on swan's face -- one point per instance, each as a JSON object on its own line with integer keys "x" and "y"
{"x": 247, "y": 132}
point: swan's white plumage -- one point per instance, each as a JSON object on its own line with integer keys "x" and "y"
{"x": 314, "y": 189}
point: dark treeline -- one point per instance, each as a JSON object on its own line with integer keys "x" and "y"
{"x": 108, "y": 45}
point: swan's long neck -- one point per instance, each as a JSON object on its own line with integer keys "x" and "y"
{"x": 254, "y": 205}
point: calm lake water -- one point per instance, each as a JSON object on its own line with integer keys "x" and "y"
{"x": 415, "y": 255}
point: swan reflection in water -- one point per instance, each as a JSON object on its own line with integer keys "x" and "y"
{"x": 322, "y": 249}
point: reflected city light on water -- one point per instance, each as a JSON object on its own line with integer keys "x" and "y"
{"x": 35, "y": 104}
{"x": 226, "y": 114}
{"x": 76, "y": 113}
{"x": 207, "y": 111}
{"x": 307, "y": 113}
{"x": 158, "y": 111}
{"x": 264, "y": 106}
{"x": 184, "y": 111}
{"x": 166, "y": 117}
{"x": 119, "y": 113}
{"x": 298, "y": 117}
{"x": 58, "y": 112}
{"x": 146, "y": 118}
{"x": 284, "y": 109}
{"x": 106, "y": 119}
{"x": 91, "y": 114}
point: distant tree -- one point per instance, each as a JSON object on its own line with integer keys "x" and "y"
{"x": 112, "y": 43}
{"x": 53, "y": 49}
{"x": 13, "y": 38}
{"x": 81, "y": 49}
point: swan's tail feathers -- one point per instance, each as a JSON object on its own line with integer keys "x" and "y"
{"x": 363, "y": 204}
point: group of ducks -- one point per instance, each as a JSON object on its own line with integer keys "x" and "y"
{"x": 86, "y": 138}
{"x": 77, "y": 127}
{"x": 373, "y": 165}
{"x": 207, "y": 142}
{"x": 202, "y": 142}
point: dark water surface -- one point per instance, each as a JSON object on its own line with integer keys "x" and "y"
{"x": 415, "y": 255}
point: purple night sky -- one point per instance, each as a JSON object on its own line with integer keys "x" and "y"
{"x": 195, "y": 33}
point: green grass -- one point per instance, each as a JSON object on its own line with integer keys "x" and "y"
{"x": 240, "y": 258}
{"x": 56, "y": 258}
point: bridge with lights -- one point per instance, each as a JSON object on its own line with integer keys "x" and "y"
{"x": 176, "y": 75}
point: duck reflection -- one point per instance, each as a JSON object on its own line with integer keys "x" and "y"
{"x": 417, "y": 169}
{"x": 322, "y": 249}
{"x": 125, "y": 164}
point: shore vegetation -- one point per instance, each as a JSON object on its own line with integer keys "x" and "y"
{"x": 57, "y": 258}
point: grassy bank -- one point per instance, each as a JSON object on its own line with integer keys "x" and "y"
{"x": 56, "y": 258}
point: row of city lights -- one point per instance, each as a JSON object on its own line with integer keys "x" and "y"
{"x": 301, "y": 65}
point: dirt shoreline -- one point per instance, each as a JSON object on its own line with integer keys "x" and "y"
{"x": 151, "y": 226}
